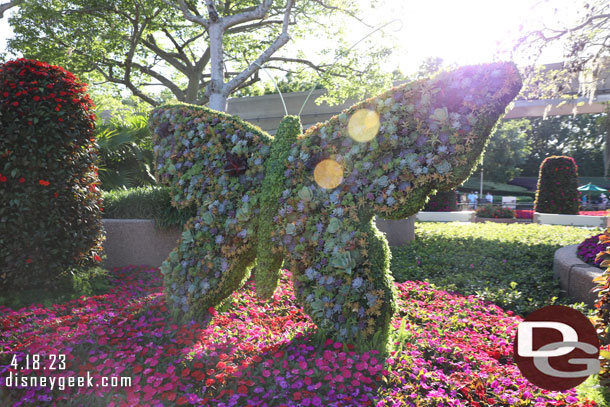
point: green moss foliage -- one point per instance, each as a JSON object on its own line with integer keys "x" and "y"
{"x": 268, "y": 199}
{"x": 268, "y": 263}
{"x": 50, "y": 219}
{"x": 557, "y": 186}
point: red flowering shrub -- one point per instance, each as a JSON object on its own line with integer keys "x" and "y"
{"x": 490, "y": 211}
{"x": 557, "y": 186}
{"x": 442, "y": 202}
{"x": 49, "y": 202}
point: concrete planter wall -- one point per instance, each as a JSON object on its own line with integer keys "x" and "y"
{"x": 570, "y": 220}
{"x": 575, "y": 276}
{"x": 138, "y": 241}
{"x": 461, "y": 216}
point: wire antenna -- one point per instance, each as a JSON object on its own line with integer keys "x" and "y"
{"x": 276, "y": 87}
{"x": 382, "y": 26}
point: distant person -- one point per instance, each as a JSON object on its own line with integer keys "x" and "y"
{"x": 603, "y": 199}
{"x": 472, "y": 200}
{"x": 476, "y": 199}
{"x": 489, "y": 197}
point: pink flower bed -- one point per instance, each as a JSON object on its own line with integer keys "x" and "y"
{"x": 524, "y": 214}
{"x": 593, "y": 213}
{"x": 529, "y": 214}
{"x": 453, "y": 351}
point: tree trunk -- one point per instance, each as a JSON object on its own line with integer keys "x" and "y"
{"x": 192, "y": 90}
{"x": 216, "y": 92}
{"x": 218, "y": 101}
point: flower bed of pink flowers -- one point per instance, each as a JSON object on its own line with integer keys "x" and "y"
{"x": 529, "y": 214}
{"x": 450, "y": 350}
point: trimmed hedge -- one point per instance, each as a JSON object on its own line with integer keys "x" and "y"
{"x": 442, "y": 201}
{"x": 49, "y": 202}
{"x": 146, "y": 203}
{"x": 557, "y": 186}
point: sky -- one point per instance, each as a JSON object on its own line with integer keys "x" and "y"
{"x": 461, "y": 32}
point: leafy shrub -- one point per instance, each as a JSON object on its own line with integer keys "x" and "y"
{"x": 490, "y": 211}
{"x": 125, "y": 152}
{"x": 484, "y": 259}
{"x": 442, "y": 202}
{"x": 146, "y": 203}
{"x": 557, "y": 186}
{"x": 590, "y": 248}
{"x": 49, "y": 201}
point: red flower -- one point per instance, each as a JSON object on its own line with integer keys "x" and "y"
{"x": 44, "y": 183}
{"x": 36, "y": 98}
{"x": 21, "y": 180}
{"x": 97, "y": 258}
{"x": 2, "y": 178}
{"x": 55, "y": 194}
{"x": 60, "y": 119}
{"x": 212, "y": 311}
{"x": 28, "y": 261}
{"x": 182, "y": 400}
{"x": 15, "y": 104}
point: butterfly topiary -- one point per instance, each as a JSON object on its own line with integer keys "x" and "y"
{"x": 307, "y": 201}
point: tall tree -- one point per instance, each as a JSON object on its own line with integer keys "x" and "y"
{"x": 586, "y": 44}
{"x": 200, "y": 50}
{"x": 507, "y": 150}
{"x": 586, "y": 39}
{"x": 580, "y": 137}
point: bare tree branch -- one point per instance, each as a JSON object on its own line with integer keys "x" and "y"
{"x": 254, "y": 26}
{"x": 187, "y": 14}
{"x": 265, "y": 55}
{"x": 249, "y": 15}
{"x": 171, "y": 58}
{"x": 212, "y": 10}
{"x": 111, "y": 78}
{"x": 6, "y": 6}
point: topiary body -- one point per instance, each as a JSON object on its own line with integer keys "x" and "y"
{"x": 310, "y": 199}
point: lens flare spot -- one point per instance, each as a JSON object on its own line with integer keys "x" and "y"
{"x": 363, "y": 125}
{"x": 328, "y": 174}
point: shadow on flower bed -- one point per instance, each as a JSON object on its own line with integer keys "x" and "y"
{"x": 448, "y": 348}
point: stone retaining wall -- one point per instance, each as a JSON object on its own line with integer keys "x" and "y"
{"x": 575, "y": 276}
{"x": 138, "y": 241}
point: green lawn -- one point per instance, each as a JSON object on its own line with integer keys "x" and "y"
{"x": 511, "y": 265}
